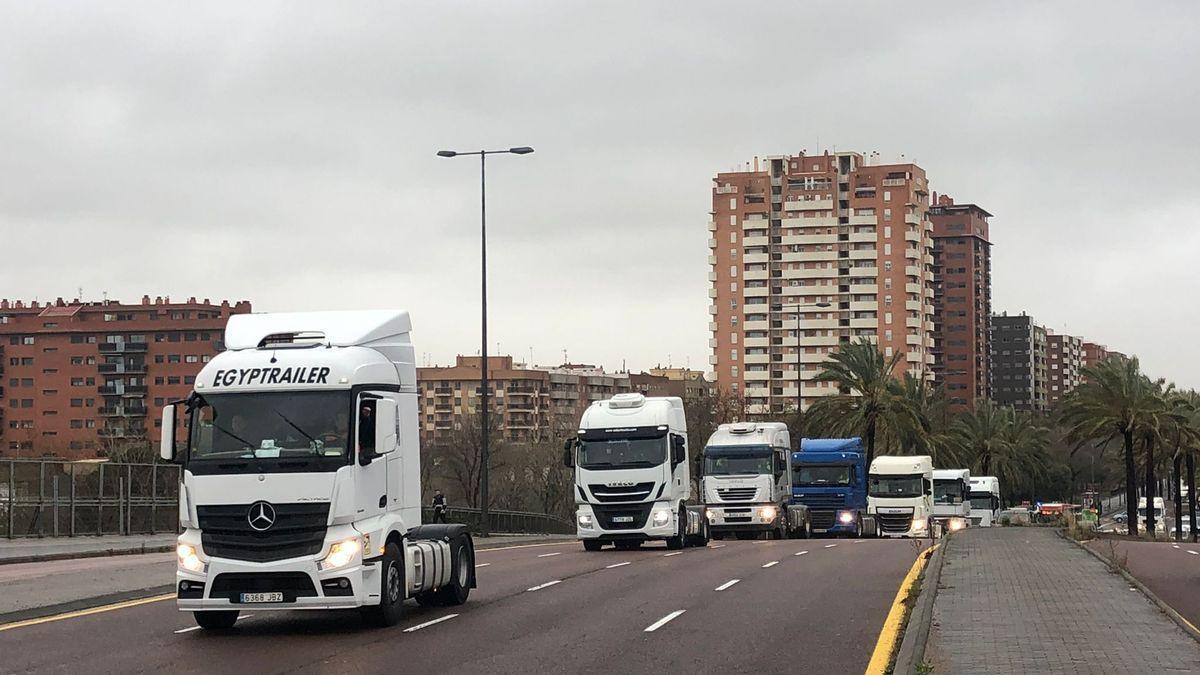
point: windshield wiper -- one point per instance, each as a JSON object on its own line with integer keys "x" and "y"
{"x": 293, "y": 425}
{"x": 232, "y": 435}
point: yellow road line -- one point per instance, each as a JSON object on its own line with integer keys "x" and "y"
{"x": 895, "y": 618}
{"x": 86, "y": 612}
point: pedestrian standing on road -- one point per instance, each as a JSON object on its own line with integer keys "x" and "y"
{"x": 439, "y": 507}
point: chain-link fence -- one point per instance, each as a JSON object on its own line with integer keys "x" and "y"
{"x": 67, "y": 499}
{"x": 53, "y": 498}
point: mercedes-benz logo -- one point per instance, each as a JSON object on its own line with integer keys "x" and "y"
{"x": 261, "y": 516}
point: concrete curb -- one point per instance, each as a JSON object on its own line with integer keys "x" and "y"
{"x": 83, "y": 603}
{"x": 920, "y": 620}
{"x": 98, "y": 553}
{"x": 1166, "y": 609}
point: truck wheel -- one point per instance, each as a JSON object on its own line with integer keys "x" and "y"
{"x": 676, "y": 542}
{"x": 462, "y": 564}
{"x": 807, "y": 529}
{"x": 391, "y": 589}
{"x": 220, "y": 620}
{"x": 858, "y": 527}
{"x": 592, "y": 545}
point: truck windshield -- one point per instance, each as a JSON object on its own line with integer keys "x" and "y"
{"x": 947, "y": 491}
{"x": 822, "y": 475}
{"x": 746, "y": 460}
{"x": 982, "y": 500}
{"x": 1158, "y": 513}
{"x": 881, "y": 485}
{"x": 622, "y": 453}
{"x": 270, "y": 426}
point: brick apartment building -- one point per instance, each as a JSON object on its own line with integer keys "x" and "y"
{"x": 1064, "y": 357}
{"x": 531, "y": 402}
{"x": 789, "y": 232}
{"x": 962, "y": 300}
{"x": 77, "y": 378}
{"x": 1018, "y": 354}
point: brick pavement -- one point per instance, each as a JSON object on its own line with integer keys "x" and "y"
{"x": 1023, "y": 600}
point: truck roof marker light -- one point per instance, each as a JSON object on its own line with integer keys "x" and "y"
{"x": 344, "y": 380}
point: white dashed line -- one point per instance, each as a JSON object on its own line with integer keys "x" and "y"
{"x": 620, "y": 564}
{"x": 761, "y": 541}
{"x": 801, "y": 552}
{"x": 1193, "y": 553}
{"x": 429, "y": 623}
{"x": 545, "y": 585}
{"x": 1174, "y": 545}
{"x": 663, "y": 621}
{"x": 482, "y": 565}
{"x": 187, "y": 630}
{"x": 727, "y": 584}
{"x": 668, "y": 555}
{"x": 547, "y": 555}
{"x": 830, "y": 545}
{"x": 859, "y": 541}
{"x": 717, "y": 546}
{"x": 771, "y": 564}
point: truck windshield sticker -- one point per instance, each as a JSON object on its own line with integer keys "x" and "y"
{"x": 251, "y": 376}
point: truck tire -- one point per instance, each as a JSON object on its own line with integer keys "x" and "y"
{"x": 676, "y": 542}
{"x": 592, "y": 545}
{"x": 806, "y": 533}
{"x": 219, "y": 620}
{"x": 858, "y": 527}
{"x": 391, "y": 589}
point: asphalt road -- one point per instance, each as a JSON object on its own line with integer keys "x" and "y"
{"x": 808, "y": 605}
{"x": 1171, "y": 571}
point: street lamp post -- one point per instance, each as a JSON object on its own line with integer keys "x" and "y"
{"x": 799, "y": 360}
{"x": 484, "y": 448}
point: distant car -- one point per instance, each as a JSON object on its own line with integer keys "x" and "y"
{"x": 1121, "y": 517}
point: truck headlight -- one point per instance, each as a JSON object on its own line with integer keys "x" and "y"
{"x": 919, "y": 526}
{"x": 768, "y": 513}
{"x": 846, "y": 517}
{"x": 585, "y": 520}
{"x": 957, "y": 524}
{"x": 710, "y": 514}
{"x": 189, "y": 559}
{"x": 661, "y": 517}
{"x": 341, "y": 554}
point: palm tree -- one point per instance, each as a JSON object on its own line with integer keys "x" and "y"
{"x": 868, "y": 392}
{"x": 1115, "y": 401}
{"x": 998, "y": 441}
{"x": 980, "y": 436}
{"x": 920, "y": 422}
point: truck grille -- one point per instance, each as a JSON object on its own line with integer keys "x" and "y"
{"x": 298, "y": 530}
{"x": 894, "y": 522}
{"x": 628, "y": 493}
{"x": 738, "y": 494}
{"x": 231, "y": 585}
{"x": 823, "y": 501}
{"x": 821, "y": 520}
{"x": 606, "y": 516}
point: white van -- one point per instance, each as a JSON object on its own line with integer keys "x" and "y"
{"x": 1160, "y": 515}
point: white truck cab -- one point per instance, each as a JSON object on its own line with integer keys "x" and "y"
{"x": 985, "y": 500}
{"x": 746, "y": 483}
{"x": 633, "y": 475}
{"x": 300, "y": 482}
{"x": 1160, "y": 515}
{"x": 900, "y": 495}
{"x": 951, "y": 498}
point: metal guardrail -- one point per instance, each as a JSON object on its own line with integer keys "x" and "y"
{"x": 40, "y": 498}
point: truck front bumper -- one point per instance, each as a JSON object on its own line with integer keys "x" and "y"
{"x": 232, "y": 584}
{"x": 589, "y": 524}
{"x": 743, "y": 518}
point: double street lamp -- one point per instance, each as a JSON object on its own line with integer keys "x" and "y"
{"x": 484, "y": 454}
{"x": 800, "y": 359}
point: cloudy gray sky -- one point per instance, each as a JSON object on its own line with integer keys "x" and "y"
{"x": 284, "y": 153}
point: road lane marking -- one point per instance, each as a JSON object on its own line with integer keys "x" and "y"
{"x": 427, "y": 624}
{"x": 547, "y": 555}
{"x": 187, "y": 630}
{"x": 718, "y": 546}
{"x": 668, "y": 555}
{"x": 830, "y": 545}
{"x": 482, "y": 565}
{"x": 859, "y": 541}
{"x": 1193, "y": 552}
{"x": 620, "y": 564}
{"x": 545, "y": 585}
{"x": 663, "y": 621}
{"x": 86, "y": 612}
{"x": 771, "y": 564}
{"x": 727, "y": 584}
{"x": 761, "y": 541}
{"x": 886, "y": 644}
{"x": 801, "y": 553}
{"x": 1174, "y": 545}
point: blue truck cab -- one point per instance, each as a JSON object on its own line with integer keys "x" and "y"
{"x": 829, "y": 476}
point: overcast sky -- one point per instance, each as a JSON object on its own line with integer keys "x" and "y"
{"x": 285, "y": 155}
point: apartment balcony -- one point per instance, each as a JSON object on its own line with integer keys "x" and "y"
{"x": 110, "y": 390}
{"x": 912, "y": 219}
{"x": 134, "y": 390}
{"x": 863, "y": 289}
{"x": 873, "y": 322}
{"x": 822, "y": 341}
{"x": 914, "y": 305}
{"x": 756, "y": 358}
{"x": 712, "y": 226}
{"x": 810, "y": 239}
{"x": 864, "y": 254}
{"x": 121, "y": 433}
{"x": 756, "y": 241}
{"x": 756, "y": 375}
{"x": 122, "y": 347}
{"x": 863, "y": 237}
{"x": 913, "y": 288}
{"x": 823, "y": 324}
{"x": 913, "y": 271}
{"x": 808, "y": 205}
{"x": 864, "y": 306}
{"x": 755, "y": 275}
{"x": 756, "y": 258}
{"x": 864, "y": 220}
{"x": 912, "y": 236}
{"x": 120, "y": 368}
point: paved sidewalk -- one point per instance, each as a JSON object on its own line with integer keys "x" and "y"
{"x": 56, "y": 548}
{"x": 1023, "y": 600}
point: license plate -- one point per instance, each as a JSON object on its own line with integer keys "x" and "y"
{"x": 262, "y": 597}
{"x": 622, "y": 519}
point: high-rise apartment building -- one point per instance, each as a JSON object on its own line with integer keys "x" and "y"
{"x": 1064, "y": 361}
{"x": 809, "y": 253}
{"x": 962, "y": 300}
{"x": 79, "y": 378}
{"x": 1019, "y": 373}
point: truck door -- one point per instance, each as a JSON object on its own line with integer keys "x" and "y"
{"x": 370, "y": 481}
{"x": 783, "y": 482}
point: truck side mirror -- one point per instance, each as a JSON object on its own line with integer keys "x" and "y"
{"x": 166, "y": 448}
{"x": 569, "y": 453}
{"x": 375, "y": 433}
{"x": 678, "y": 449}
{"x": 387, "y": 426}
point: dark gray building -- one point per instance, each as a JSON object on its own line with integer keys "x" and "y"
{"x": 1018, "y": 352}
